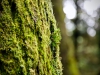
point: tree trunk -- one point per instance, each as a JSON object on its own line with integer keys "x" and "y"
{"x": 29, "y": 38}
{"x": 67, "y": 45}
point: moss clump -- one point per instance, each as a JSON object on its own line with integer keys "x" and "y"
{"x": 28, "y": 35}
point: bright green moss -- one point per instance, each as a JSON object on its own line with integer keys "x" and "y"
{"x": 28, "y": 35}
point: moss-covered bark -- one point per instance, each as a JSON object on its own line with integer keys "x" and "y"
{"x": 29, "y": 38}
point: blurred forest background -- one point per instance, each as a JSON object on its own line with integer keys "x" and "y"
{"x": 79, "y": 22}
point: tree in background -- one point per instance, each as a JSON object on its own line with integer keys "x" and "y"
{"x": 67, "y": 47}
{"x": 82, "y": 21}
{"x": 29, "y": 38}
{"x": 80, "y": 42}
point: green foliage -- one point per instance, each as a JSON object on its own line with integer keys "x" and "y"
{"x": 26, "y": 36}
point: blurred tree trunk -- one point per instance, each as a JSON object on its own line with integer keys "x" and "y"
{"x": 29, "y": 38}
{"x": 98, "y": 34}
{"x": 67, "y": 44}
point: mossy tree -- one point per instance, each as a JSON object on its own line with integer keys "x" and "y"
{"x": 29, "y": 38}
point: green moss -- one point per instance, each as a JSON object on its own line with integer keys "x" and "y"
{"x": 27, "y": 29}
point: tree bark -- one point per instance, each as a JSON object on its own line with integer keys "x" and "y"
{"x": 29, "y": 38}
